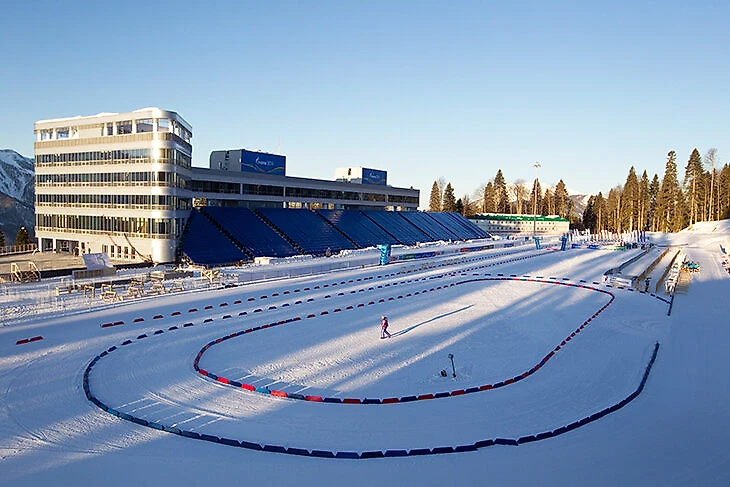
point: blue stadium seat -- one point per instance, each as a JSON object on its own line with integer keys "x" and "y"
{"x": 429, "y": 225}
{"x": 251, "y": 232}
{"x": 307, "y": 229}
{"x": 404, "y": 231}
{"x": 360, "y": 229}
{"x": 312, "y": 232}
{"x": 205, "y": 244}
{"x": 460, "y": 225}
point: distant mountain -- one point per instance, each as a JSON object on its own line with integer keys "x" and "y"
{"x": 17, "y": 194}
{"x": 580, "y": 201}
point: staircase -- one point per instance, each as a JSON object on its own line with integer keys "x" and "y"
{"x": 278, "y": 231}
{"x": 228, "y": 235}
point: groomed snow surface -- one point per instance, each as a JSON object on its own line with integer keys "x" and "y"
{"x": 675, "y": 432}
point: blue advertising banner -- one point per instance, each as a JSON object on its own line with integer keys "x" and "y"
{"x": 263, "y": 163}
{"x": 374, "y": 176}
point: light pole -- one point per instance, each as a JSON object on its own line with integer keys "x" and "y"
{"x": 534, "y": 204}
{"x": 453, "y": 369}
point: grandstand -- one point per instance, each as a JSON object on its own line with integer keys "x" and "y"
{"x": 229, "y": 235}
{"x": 309, "y": 231}
{"x": 403, "y": 230}
{"x": 363, "y": 231}
{"x": 205, "y": 244}
{"x": 429, "y": 226}
{"x": 459, "y": 224}
{"x": 250, "y": 231}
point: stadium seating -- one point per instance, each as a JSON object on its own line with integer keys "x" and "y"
{"x": 430, "y": 226}
{"x": 281, "y": 232}
{"x": 404, "y": 231}
{"x": 251, "y": 232}
{"x": 307, "y": 229}
{"x": 358, "y": 228}
{"x": 460, "y": 225}
{"x": 205, "y": 244}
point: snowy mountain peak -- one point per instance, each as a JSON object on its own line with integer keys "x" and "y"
{"x": 17, "y": 193}
{"x": 16, "y": 174}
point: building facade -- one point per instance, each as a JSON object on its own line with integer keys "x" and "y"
{"x": 239, "y": 177}
{"x": 116, "y": 183}
{"x": 230, "y": 188}
{"x": 514, "y": 226}
{"x": 123, "y": 184}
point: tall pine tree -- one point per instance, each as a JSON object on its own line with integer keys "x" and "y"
{"x": 548, "y": 203}
{"x": 613, "y": 210}
{"x": 589, "y": 215}
{"x": 654, "y": 189}
{"x": 694, "y": 187}
{"x": 22, "y": 237}
{"x": 449, "y": 201}
{"x": 599, "y": 207}
{"x": 723, "y": 192}
{"x": 535, "y": 197}
{"x": 643, "y": 202}
{"x": 669, "y": 202}
{"x": 501, "y": 195}
{"x": 434, "y": 203}
{"x": 561, "y": 200}
{"x": 459, "y": 206}
{"x": 629, "y": 212}
{"x": 489, "y": 205}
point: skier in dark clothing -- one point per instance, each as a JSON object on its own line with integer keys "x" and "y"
{"x": 384, "y": 327}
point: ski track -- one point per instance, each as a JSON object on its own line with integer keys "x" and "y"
{"x": 495, "y": 329}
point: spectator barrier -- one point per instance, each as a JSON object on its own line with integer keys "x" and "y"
{"x": 29, "y": 340}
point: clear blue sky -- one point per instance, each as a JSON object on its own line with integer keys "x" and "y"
{"x": 423, "y": 90}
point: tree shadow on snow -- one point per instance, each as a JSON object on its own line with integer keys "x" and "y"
{"x": 406, "y": 330}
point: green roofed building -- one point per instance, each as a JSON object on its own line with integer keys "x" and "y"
{"x": 506, "y": 225}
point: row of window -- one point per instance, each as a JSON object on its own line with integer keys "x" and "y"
{"x": 132, "y": 227}
{"x": 123, "y": 127}
{"x": 109, "y": 249}
{"x": 121, "y": 201}
{"x": 215, "y": 187}
{"x": 120, "y": 156}
{"x": 296, "y": 192}
{"x": 157, "y": 178}
{"x": 516, "y": 228}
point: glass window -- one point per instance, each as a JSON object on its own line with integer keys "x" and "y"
{"x": 145, "y": 125}
{"x": 124, "y": 127}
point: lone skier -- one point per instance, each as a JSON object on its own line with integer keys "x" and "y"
{"x": 384, "y": 327}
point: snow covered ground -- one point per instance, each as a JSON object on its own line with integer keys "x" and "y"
{"x": 326, "y": 345}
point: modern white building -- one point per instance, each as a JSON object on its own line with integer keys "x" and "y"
{"x": 507, "y": 225}
{"x": 253, "y": 179}
{"x": 114, "y": 182}
{"x": 123, "y": 184}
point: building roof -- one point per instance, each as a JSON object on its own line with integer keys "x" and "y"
{"x": 517, "y": 218}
